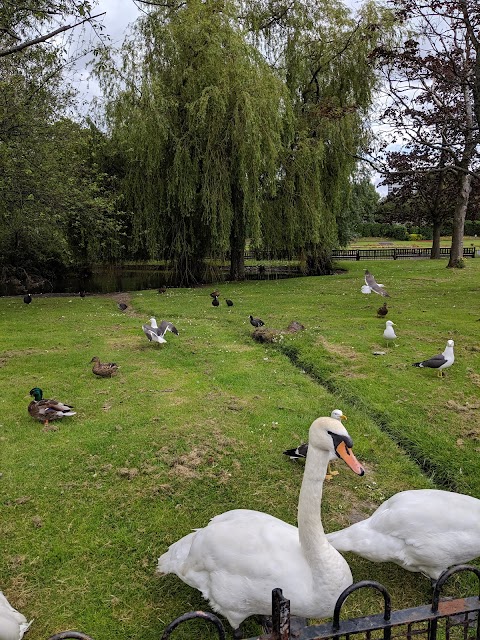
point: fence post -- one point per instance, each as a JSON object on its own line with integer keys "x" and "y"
{"x": 357, "y": 257}
{"x": 394, "y": 253}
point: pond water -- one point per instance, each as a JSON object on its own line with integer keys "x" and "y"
{"x": 110, "y": 279}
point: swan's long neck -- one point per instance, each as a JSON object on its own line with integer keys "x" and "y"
{"x": 310, "y": 529}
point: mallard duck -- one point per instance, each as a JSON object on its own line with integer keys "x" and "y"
{"x": 382, "y": 311}
{"x": 241, "y": 555}
{"x": 441, "y": 361}
{"x": 156, "y": 333}
{"x": 422, "y": 530}
{"x": 104, "y": 369}
{"x": 372, "y": 285}
{"x": 256, "y": 322}
{"x": 13, "y": 624}
{"x": 46, "y": 410}
{"x": 162, "y": 289}
{"x": 389, "y": 333}
{"x": 215, "y": 293}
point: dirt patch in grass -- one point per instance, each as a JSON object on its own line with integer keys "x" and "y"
{"x": 474, "y": 377}
{"x": 337, "y": 349}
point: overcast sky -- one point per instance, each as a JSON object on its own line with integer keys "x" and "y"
{"x": 119, "y": 15}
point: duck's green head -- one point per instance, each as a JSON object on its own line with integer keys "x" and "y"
{"x": 36, "y": 393}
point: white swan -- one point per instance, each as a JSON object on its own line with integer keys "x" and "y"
{"x": 241, "y": 555}
{"x": 424, "y": 530}
{"x": 13, "y": 624}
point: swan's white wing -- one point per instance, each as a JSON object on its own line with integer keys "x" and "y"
{"x": 13, "y": 624}
{"x": 423, "y": 530}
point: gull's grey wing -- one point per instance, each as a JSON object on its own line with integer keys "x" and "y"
{"x": 372, "y": 283}
{"x": 435, "y": 362}
{"x": 166, "y": 326}
{"x": 148, "y": 331}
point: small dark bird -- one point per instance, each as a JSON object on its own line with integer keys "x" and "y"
{"x": 27, "y": 299}
{"x": 229, "y": 303}
{"x": 104, "y": 369}
{"x": 215, "y": 293}
{"x": 215, "y": 301}
{"x": 256, "y": 322}
{"x": 122, "y": 306}
{"x": 162, "y": 289}
{"x": 382, "y": 311}
{"x": 81, "y": 294}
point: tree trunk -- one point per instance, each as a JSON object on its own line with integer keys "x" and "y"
{"x": 319, "y": 261}
{"x": 456, "y": 250}
{"x": 437, "y": 232}
{"x": 238, "y": 238}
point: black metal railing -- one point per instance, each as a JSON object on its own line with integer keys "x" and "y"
{"x": 448, "y": 619}
{"x": 395, "y": 253}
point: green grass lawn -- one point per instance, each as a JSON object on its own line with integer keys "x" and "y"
{"x": 198, "y": 426}
{"x": 379, "y": 243}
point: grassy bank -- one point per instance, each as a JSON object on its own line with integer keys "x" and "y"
{"x": 198, "y": 427}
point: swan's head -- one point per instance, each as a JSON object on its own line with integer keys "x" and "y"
{"x": 337, "y": 414}
{"x": 330, "y": 435}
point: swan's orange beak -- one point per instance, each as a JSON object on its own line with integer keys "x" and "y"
{"x": 347, "y": 456}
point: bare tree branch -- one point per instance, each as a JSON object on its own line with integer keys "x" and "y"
{"x": 47, "y": 36}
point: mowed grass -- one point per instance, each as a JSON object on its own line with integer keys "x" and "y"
{"x": 379, "y": 243}
{"x": 198, "y": 426}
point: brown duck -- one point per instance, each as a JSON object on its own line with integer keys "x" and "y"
{"x": 104, "y": 369}
{"x": 382, "y": 311}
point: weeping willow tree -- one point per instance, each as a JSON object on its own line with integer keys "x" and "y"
{"x": 323, "y": 53}
{"x": 199, "y": 115}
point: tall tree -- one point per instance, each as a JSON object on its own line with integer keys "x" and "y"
{"x": 200, "y": 116}
{"x": 432, "y": 80}
{"x": 306, "y": 138}
{"x": 323, "y": 53}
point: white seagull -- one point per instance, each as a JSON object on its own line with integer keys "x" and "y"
{"x": 389, "y": 333}
{"x": 441, "y": 361}
{"x": 372, "y": 285}
{"x": 13, "y": 624}
{"x": 156, "y": 333}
